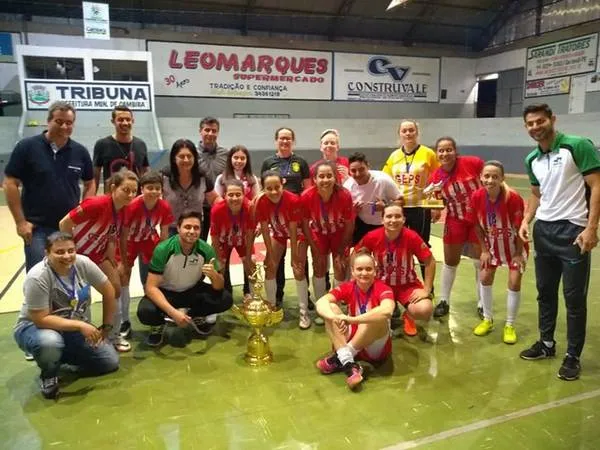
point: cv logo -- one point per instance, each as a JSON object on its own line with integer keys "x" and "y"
{"x": 380, "y": 65}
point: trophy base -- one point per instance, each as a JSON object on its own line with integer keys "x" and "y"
{"x": 258, "y": 352}
{"x": 433, "y": 205}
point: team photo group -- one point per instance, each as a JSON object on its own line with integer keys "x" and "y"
{"x": 367, "y": 231}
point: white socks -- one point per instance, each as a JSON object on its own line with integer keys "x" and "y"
{"x": 477, "y": 266}
{"x": 513, "y": 300}
{"x": 487, "y": 301}
{"x": 125, "y": 300}
{"x": 346, "y": 354}
{"x": 271, "y": 291}
{"x": 302, "y": 290}
{"x": 319, "y": 287}
{"x": 448, "y": 277}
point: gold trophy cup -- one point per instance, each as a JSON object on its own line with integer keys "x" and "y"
{"x": 432, "y": 200}
{"x": 258, "y": 313}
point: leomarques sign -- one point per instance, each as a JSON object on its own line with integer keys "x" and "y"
{"x": 88, "y": 96}
{"x": 384, "y": 78}
{"x": 562, "y": 58}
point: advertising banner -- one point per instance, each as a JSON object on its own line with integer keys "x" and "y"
{"x": 562, "y": 58}
{"x": 204, "y": 70}
{"x": 551, "y": 86}
{"x": 96, "y": 21}
{"x": 88, "y": 96}
{"x": 381, "y": 78}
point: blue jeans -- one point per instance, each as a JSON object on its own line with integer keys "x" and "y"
{"x": 51, "y": 348}
{"x": 36, "y": 251}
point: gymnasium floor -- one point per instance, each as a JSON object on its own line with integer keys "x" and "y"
{"x": 444, "y": 389}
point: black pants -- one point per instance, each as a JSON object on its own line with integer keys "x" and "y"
{"x": 205, "y": 223}
{"x": 360, "y": 229}
{"x": 419, "y": 220}
{"x": 202, "y": 300}
{"x": 556, "y": 256}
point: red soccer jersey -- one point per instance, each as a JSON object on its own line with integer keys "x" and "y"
{"x": 501, "y": 221}
{"x": 327, "y": 217}
{"x": 279, "y": 215}
{"x": 360, "y": 302}
{"x": 142, "y": 222}
{"x": 340, "y": 161}
{"x": 96, "y": 221}
{"x": 395, "y": 262}
{"x": 227, "y": 228}
{"x": 459, "y": 184}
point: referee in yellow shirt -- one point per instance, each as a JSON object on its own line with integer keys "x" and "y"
{"x": 410, "y": 166}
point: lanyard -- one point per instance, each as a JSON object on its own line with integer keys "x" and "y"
{"x": 70, "y": 291}
{"x": 237, "y": 224}
{"x": 324, "y": 212}
{"x": 148, "y": 215}
{"x": 409, "y": 164}
{"x": 115, "y": 215}
{"x": 276, "y": 212}
{"x": 391, "y": 250}
{"x": 358, "y": 298}
{"x": 490, "y": 208}
{"x": 285, "y": 172}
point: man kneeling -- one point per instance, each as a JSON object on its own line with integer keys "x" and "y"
{"x": 363, "y": 333}
{"x": 53, "y": 324}
{"x": 175, "y": 290}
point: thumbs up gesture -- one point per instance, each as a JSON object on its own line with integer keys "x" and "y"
{"x": 208, "y": 269}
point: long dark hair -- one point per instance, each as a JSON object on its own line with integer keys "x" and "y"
{"x": 229, "y": 172}
{"x": 174, "y": 171}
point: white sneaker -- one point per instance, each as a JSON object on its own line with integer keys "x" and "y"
{"x": 304, "y": 320}
{"x": 121, "y": 344}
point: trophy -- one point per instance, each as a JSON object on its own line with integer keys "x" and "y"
{"x": 258, "y": 313}
{"x": 431, "y": 199}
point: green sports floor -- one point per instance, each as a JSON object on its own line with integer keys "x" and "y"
{"x": 443, "y": 389}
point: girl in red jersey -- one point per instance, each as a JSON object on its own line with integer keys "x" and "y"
{"x": 394, "y": 247}
{"x": 497, "y": 213}
{"x": 455, "y": 181}
{"x": 232, "y": 226}
{"x": 139, "y": 236}
{"x": 96, "y": 224}
{"x": 328, "y": 224}
{"x": 330, "y": 149}
{"x": 278, "y": 212}
{"x": 364, "y": 332}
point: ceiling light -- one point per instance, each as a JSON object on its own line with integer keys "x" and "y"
{"x": 395, "y": 3}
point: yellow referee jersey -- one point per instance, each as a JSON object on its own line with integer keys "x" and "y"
{"x": 411, "y": 172}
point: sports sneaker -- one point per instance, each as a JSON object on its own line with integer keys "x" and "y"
{"x": 29, "y": 356}
{"x": 125, "y": 330}
{"x": 202, "y": 327}
{"x": 328, "y": 365}
{"x": 319, "y": 320}
{"x": 441, "y": 309}
{"x": 484, "y": 328}
{"x": 354, "y": 373}
{"x": 49, "y": 387}
{"x": 121, "y": 344}
{"x": 569, "y": 371}
{"x": 410, "y": 327}
{"x": 304, "y": 320}
{"x": 509, "y": 335}
{"x": 539, "y": 350}
{"x": 155, "y": 338}
{"x": 480, "y": 312}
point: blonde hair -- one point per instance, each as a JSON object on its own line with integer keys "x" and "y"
{"x": 363, "y": 251}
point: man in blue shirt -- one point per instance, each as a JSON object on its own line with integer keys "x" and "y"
{"x": 48, "y": 168}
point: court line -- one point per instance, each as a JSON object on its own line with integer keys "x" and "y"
{"x": 493, "y": 421}
{"x": 11, "y": 281}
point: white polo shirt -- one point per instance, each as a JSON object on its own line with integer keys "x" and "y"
{"x": 559, "y": 174}
{"x": 380, "y": 186}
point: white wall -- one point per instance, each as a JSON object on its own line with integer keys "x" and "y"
{"x": 458, "y": 78}
{"x": 502, "y": 61}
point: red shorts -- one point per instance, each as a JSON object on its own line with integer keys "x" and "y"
{"x": 329, "y": 243}
{"x": 226, "y": 249}
{"x": 135, "y": 249}
{"x": 283, "y": 240}
{"x": 377, "y": 351}
{"x": 403, "y": 292}
{"x": 459, "y": 232}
